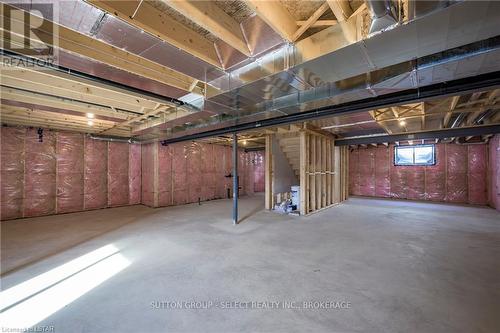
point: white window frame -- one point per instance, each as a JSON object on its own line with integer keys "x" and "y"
{"x": 415, "y": 164}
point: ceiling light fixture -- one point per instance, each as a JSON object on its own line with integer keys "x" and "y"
{"x": 90, "y": 115}
{"x": 402, "y": 123}
{"x": 90, "y": 122}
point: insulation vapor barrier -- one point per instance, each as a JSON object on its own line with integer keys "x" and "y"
{"x": 494, "y": 172}
{"x": 189, "y": 172}
{"x": 49, "y": 172}
{"x": 459, "y": 175}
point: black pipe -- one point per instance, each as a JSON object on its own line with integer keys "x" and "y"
{"x": 255, "y": 149}
{"x": 235, "y": 179}
{"x": 41, "y": 63}
{"x": 439, "y": 134}
{"x": 449, "y": 88}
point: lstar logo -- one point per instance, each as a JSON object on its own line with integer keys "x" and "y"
{"x": 28, "y": 29}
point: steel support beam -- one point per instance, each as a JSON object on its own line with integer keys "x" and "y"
{"x": 235, "y": 178}
{"x": 438, "y": 134}
{"x": 448, "y": 88}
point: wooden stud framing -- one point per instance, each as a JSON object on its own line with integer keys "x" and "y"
{"x": 322, "y": 170}
{"x": 269, "y": 172}
{"x": 304, "y": 178}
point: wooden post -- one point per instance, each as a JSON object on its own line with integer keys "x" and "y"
{"x": 318, "y": 172}
{"x": 156, "y": 176}
{"x": 269, "y": 172}
{"x": 312, "y": 170}
{"x": 323, "y": 172}
{"x": 328, "y": 170}
{"x": 337, "y": 177}
{"x": 303, "y": 173}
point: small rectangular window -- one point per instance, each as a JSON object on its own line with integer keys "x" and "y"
{"x": 414, "y": 155}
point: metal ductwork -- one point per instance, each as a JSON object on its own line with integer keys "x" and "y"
{"x": 383, "y": 14}
{"x": 484, "y": 116}
{"x": 325, "y": 70}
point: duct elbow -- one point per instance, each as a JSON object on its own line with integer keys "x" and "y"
{"x": 383, "y": 14}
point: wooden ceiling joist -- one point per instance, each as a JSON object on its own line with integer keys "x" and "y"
{"x": 276, "y": 16}
{"x": 86, "y": 46}
{"x": 73, "y": 94}
{"x": 14, "y": 115}
{"x": 314, "y": 17}
{"x": 212, "y": 18}
{"x": 318, "y": 23}
{"x": 72, "y": 86}
{"x": 144, "y": 16}
{"x": 343, "y": 11}
{"x": 59, "y": 103}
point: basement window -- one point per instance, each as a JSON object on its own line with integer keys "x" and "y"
{"x": 414, "y": 155}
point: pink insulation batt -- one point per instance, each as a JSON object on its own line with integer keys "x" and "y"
{"x": 494, "y": 172}
{"x": 40, "y": 173}
{"x": 118, "y": 191}
{"x": 64, "y": 172}
{"x": 180, "y": 154}
{"x": 67, "y": 172}
{"x": 459, "y": 175}
{"x": 96, "y": 174}
{"x": 165, "y": 175}
{"x": 134, "y": 174}
{"x": 190, "y": 171}
{"x": 147, "y": 175}
{"x": 70, "y": 170}
{"x": 12, "y": 176}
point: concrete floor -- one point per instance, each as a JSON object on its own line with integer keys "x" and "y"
{"x": 402, "y": 266}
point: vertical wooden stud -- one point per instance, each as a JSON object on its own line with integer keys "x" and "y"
{"x": 269, "y": 172}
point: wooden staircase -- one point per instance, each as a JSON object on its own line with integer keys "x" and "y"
{"x": 290, "y": 145}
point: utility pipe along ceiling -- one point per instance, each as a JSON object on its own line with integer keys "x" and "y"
{"x": 371, "y": 50}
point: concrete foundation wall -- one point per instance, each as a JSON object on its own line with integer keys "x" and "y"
{"x": 459, "y": 176}
{"x": 60, "y": 172}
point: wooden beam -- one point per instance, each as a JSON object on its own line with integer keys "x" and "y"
{"x": 77, "y": 84}
{"x": 487, "y": 103}
{"x": 212, "y": 18}
{"x": 342, "y": 11}
{"x": 422, "y": 125}
{"x": 276, "y": 16}
{"x": 453, "y": 105}
{"x": 86, "y": 46}
{"x": 160, "y": 24}
{"x": 381, "y": 124}
{"x": 58, "y": 90}
{"x": 12, "y": 115}
{"x": 59, "y": 103}
{"x": 318, "y": 23}
{"x": 314, "y": 17}
{"x": 42, "y": 114}
{"x": 163, "y": 119}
